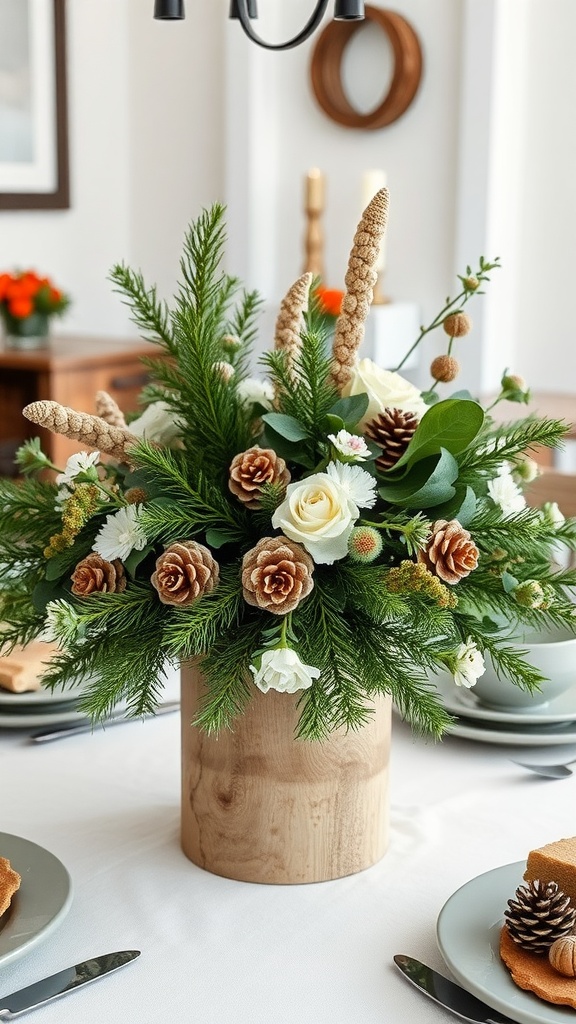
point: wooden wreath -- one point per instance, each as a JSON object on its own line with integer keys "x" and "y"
{"x": 326, "y": 70}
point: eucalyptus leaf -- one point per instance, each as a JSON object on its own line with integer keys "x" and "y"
{"x": 332, "y": 424}
{"x": 217, "y": 538}
{"x": 451, "y": 424}
{"x": 288, "y": 450}
{"x": 427, "y": 484}
{"x": 351, "y": 409}
{"x": 287, "y": 426}
{"x": 461, "y": 507}
{"x": 509, "y": 582}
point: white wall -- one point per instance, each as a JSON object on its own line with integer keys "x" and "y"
{"x": 282, "y": 123}
{"x": 546, "y": 328}
{"x": 165, "y": 118}
{"x": 145, "y": 120}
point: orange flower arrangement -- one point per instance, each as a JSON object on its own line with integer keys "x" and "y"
{"x": 24, "y": 293}
{"x": 329, "y": 301}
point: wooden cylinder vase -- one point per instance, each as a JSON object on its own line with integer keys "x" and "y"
{"x": 259, "y": 805}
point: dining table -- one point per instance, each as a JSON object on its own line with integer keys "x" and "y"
{"x": 217, "y": 951}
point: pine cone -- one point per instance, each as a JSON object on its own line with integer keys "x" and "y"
{"x": 94, "y": 575}
{"x": 184, "y": 573}
{"x": 276, "y": 575}
{"x": 392, "y": 430}
{"x": 540, "y": 914}
{"x": 450, "y": 552}
{"x": 250, "y": 470}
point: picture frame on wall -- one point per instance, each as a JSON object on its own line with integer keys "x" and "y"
{"x": 34, "y": 172}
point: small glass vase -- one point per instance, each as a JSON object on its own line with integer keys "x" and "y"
{"x": 28, "y": 332}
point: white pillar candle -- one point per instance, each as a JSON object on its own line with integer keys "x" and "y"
{"x": 372, "y": 182}
{"x": 315, "y": 190}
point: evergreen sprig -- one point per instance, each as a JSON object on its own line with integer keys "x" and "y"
{"x": 499, "y": 444}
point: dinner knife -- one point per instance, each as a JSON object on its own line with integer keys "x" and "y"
{"x": 86, "y": 725}
{"x": 64, "y": 981}
{"x": 448, "y": 994}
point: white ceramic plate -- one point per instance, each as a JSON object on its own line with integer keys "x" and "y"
{"x": 53, "y": 716}
{"x": 43, "y": 696}
{"x": 42, "y": 901}
{"x": 516, "y": 736}
{"x": 468, "y": 933}
{"x": 460, "y": 701}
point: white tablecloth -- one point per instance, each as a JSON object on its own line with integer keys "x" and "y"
{"x": 215, "y": 951}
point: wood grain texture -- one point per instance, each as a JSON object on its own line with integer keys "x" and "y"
{"x": 260, "y": 806}
{"x": 326, "y": 70}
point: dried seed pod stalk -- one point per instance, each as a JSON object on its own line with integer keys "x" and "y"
{"x": 92, "y": 431}
{"x": 290, "y": 318}
{"x": 360, "y": 279}
{"x": 107, "y": 409}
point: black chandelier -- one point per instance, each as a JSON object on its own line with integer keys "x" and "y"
{"x": 245, "y": 10}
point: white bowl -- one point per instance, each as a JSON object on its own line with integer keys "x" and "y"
{"x": 551, "y": 651}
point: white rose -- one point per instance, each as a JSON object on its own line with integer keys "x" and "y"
{"x": 468, "y": 664}
{"x": 385, "y": 389}
{"x": 157, "y": 423}
{"x": 282, "y": 670}
{"x": 320, "y": 515}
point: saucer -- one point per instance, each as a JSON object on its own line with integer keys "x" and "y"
{"x": 460, "y": 701}
{"x": 553, "y": 735}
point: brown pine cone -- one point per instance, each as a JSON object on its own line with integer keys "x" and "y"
{"x": 250, "y": 470}
{"x": 539, "y": 914}
{"x": 184, "y": 573}
{"x": 94, "y": 575}
{"x": 450, "y": 552}
{"x": 276, "y": 575}
{"x": 392, "y": 430}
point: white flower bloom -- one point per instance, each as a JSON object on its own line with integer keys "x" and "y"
{"x": 251, "y": 390}
{"x": 157, "y": 423}
{"x": 120, "y": 534}
{"x": 319, "y": 514}
{"x": 359, "y": 485}
{"x": 505, "y": 493}
{"x": 351, "y": 445}
{"x": 61, "y": 623}
{"x": 282, "y": 670}
{"x": 78, "y": 463}
{"x": 468, "y": 664}
{"x": 385, "y": 389}
{"x": 552, "y": 515}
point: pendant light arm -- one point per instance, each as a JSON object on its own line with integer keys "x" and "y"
{"x": 310, "y": 26}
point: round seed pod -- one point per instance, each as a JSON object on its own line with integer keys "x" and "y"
{"x": 562, "y": 956}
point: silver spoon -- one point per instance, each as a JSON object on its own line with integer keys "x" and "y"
{"x": 549, "y": 771}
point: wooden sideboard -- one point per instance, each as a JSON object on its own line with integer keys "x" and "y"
{"x": 70, "y": 370}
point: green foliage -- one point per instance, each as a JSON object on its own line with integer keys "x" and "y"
{"x": 376, "y": 629}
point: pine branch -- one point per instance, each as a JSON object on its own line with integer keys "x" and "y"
{"x": 150, "y": 315}
{"x": 243, "y": 325}
{"x": 194, "y": 631}
{"x": 497, "y": 445}
{"x": 192, "y": 503}
{"x": 228, "y": 677}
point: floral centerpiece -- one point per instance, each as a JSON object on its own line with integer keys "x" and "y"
{"x": 328, "y": 530}
{"x": 27, "y": 301}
